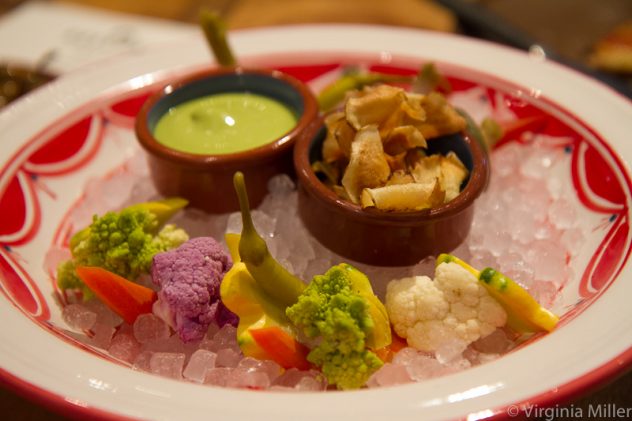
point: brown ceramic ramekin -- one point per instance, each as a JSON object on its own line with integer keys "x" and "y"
{"x": 387, "y": 238}
{"x": 207, "y": 180}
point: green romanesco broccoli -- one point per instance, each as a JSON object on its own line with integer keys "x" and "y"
{"x": 337, "y": 314}
{"x": 123, "y": 242}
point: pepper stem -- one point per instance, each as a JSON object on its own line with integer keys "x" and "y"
{"x": 244, "y": 205}
{"x": 252, "y": 247}
{"x": 215, "y": 32}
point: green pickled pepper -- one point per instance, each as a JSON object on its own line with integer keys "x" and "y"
{"x": 273, "y": 278}
{"x": 215, "y": 32}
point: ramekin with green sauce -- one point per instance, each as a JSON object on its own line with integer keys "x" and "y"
{"x": 200, "y": 129}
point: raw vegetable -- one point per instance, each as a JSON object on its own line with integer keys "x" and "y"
{"x": 243, "y": 295}
{"x": 387, "y": 353}
{"x": 123, "y": 242}
{"x": 125, "y": 298}
{"x": 215, "y": 32}
{"x": 444, "y": 315}
{"x": 273, "y": 278}
{"x": 429, "y": 79}
{"x": 281, "y": 347}
{"x": 258, "y": 289}
{"x": 524, "y": 313}
{"x": 339, "y": 312}
{"x": 189, "y": 278}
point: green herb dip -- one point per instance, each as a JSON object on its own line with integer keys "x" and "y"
{"x": 224, "y": 123}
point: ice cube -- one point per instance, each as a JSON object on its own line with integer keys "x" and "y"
{"x": 228, "y": 357}
{"x": 167, "y": 364}
{"x": 171, "y": 344}
{"x": 124, "y": 347}
{"x": 573, "y": 239}
{"x": 506, "y": 159}
{"x": 270, "y": 368}
{"x": 102, "y": 335}
{"x": 497, "y": 342}
{"x": 212, "y": 330}
{"x": 389, "y": 375}
{"x": 225, "y": 338}
{"x": 252, "y": 379}
{"x": 548, "y": 259}
{"x": 78, "y": 316}
{"x": 292, "y": 377}
{"x": 449, "y": 350}
{"x": 199, "y": 364}
{"x": 218, "y": 376}
{"x": 264, "y": 224}
{"x": 309, "y": 384}
{"x": 149, "y": 328}
{"x": 280, "y": 185}
{"x": 562, "y": 214}
{"x": 104, "y": 314}
{"x": 420, "y": 366}
{"x": 234, "y": 225}
{"x": 317, "y": 266}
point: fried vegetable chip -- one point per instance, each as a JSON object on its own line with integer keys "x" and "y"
{"x": 375, "y": 150}
{"x": 400, "y": 177}
{"x": 442, "y": 118}
{"x": 453, "y": 172}
{"x": 373, "y": 106}
{"x": 331, "y": 150}
{"x": 404, "y": 197}
{"x": 402, "y": 139}
{"x": 367, "y": 165}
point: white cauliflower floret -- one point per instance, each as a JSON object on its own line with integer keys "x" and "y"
{"x": 453, "y": 310}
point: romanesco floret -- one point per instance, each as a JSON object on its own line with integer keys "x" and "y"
{"x": 339, "y": 318}
{"x": 452, "y": 311}
{"x": 122, "y": 242}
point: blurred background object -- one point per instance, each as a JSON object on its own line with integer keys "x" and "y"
{"x": 588, "y": 35}
{"x": 16, "y": 80}
{"x": 572, "y": 32}
{"x": 250, "y": 13}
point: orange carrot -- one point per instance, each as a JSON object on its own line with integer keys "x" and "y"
{"x": 387, "y": 353}
{"x": 125, "y": 298}
{"x": 281, "y": 347}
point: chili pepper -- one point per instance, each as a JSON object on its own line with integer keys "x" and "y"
{"x": 215, "y": 31}
{"x": 256, "y": 310}
{"x": 258, "y": 290}
{"x": 524, "y": 313}
{"x": 274, "y": 279}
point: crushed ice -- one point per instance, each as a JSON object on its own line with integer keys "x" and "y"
{"x": 525, "y": 224}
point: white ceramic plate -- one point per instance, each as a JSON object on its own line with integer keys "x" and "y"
{"x": 80, "y": 127}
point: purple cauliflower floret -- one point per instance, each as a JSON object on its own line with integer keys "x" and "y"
{"x": 189, "y": 278}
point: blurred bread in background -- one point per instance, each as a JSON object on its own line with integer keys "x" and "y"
{"x": 425, "y": 14}
{"x": 613, "y": 53}
{"x": 411, "y": 13}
